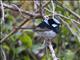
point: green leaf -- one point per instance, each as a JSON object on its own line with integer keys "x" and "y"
{"x": 69, "y": 55}
{"x": 26, "y": 57}
{"x": 6, "y": 47}
{"x": 20, "y": 49}
{"x": 37, "y": 47}
{"x": 26, "y": 40}
{"x": 9, "y": 19}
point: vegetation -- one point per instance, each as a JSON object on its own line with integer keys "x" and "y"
{"x": 18, "y": 20}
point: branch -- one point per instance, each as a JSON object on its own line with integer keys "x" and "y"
{"x": 72, "y": 31}
{"x": 22, "y": 11}
{"x": 67, "y": 18}
{"x": 65, "y": 23}
{"x": 43, "y": 6}
{"x": 34, "y": 28}
{"x": 12, "y": 32}
{"x": 70, "y": 11}
{"x": 3, "y": 53}
{"x": 52, "y": 51}
{"x": 63, "y": 16}
{"x": 2, "y": 9}
{"x": 15, "y": 9}
{"x": 25, "y": 12}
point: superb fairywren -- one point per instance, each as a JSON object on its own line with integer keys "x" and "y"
{"x": 52, "y": 25}
{"x": 50, "y": 28}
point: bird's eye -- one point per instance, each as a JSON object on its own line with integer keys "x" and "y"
{"x": 54, "y": 25}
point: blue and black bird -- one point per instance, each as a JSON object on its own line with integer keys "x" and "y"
{"x": 52, "y": 25}
{"x": 50, "y": 30}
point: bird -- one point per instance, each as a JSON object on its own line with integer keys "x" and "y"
{"x": 51, "y": 26}
{"x": 50, "y": 29}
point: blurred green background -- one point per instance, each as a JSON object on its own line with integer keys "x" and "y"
{"x": 22, "y": 45}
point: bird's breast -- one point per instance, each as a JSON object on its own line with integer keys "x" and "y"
{"x": 47, "y": 34}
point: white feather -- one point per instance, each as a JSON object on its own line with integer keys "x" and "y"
{"x": 46, "y": 21}
{"x": 56, "y": 21}
{"x": 54, "y": 25}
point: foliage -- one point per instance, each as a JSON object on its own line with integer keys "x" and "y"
{"x": 23, "y": 46}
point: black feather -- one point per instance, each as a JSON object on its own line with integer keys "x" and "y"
{"x": 49, "y": 26}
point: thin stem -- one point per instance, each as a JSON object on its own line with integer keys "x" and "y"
{"x": 69, "y": 10}
{"x": 12, "y": 32}
{"x": 25, "y": 12}
{"x": 2, "y": 9}
{"x": 3, "y": 53}
{"x": 52, "y": 51}
{"x": 72, "y": 31}
{"x": 63, "y": 16}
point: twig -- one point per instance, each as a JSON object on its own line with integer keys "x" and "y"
{"x": 43, "y": 6}
{"x": 12, "y": 32}
{"x": 7, "y": 36}
{"x": 63, "y": 16}
{"x": 70, "y": 11}
{"x": 13, "y": 8}
{"x": 35, "y": 29}
{"x": 25, "y": 12}
{"x": 36, "y": 5}
{"x": 67, "y": 18}
{"x": 2, "y": 9}
{"x": 16, "y": 7}
{"x": 52, "y": 52}
{"x": 72, "y": 31}
{"x": 16, "y": 29}
{"x": 53, "y": 8}
{"x": 22, "y": 11}
{"x": 3, "y": 53}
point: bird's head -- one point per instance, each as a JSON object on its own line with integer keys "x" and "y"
{"x": 52, "y": 21}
